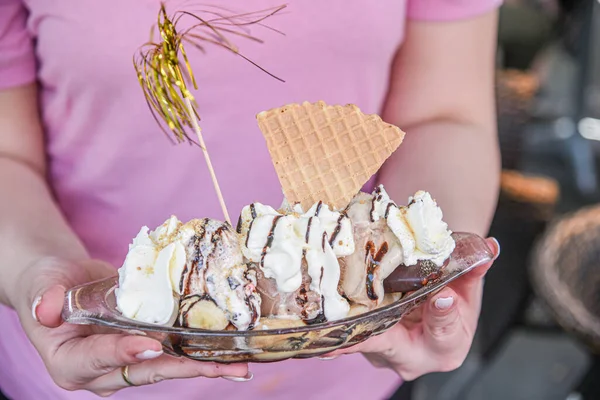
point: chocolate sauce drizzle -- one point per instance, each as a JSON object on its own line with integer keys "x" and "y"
{"x": 376, "y": 197}
{"x": 238, "y": 227}
{"x": 248, "y": 234}
{"x": 216, "y": 236}
{"x": 387, "y": 209}
{"x": 321, "y": 278}
{"x": 307, "y": 234}
{"x": 239, "y": 224}
{"x": 318, "y": 210}
{"x": 251, "y": 306}
{"x": 302, "y": 299}
{"x": 253, "y": 213}
{"x": 183, "y": 275}
{"x": 371, "y": 218}
{"x": 373, "y": 261}
{"x": 254, "y": 312}
{"x": 269, "y": 240}
{"x": 184, "y": 286}
{"x": 381, "y": 253}
{"x": 198, "y": 260}
{"x": 337, "y": 229}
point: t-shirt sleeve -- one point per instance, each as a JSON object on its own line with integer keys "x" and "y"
{"x": 447, "y": 10}
{"x": 17, "y": 57}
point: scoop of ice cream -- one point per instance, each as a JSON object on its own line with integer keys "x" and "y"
{"x": 302, "y": 304}
{"x": 388, "y": 237}
{"x": 377, "y": 254}
{"x": 279, "y": 244}
{"x": 215, "y": 268}
{"x": 146, "y": 279}
{"x": 201, "y": 258}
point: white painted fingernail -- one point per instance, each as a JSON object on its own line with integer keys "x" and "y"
{"x": 34, "y": 306}
{"x": 246, "y": 378}
{"x": 148, "y": 355}
{"x": 498, "y": 247}
{"x": 327, "y": 358}
{"x": 444, "y": 303}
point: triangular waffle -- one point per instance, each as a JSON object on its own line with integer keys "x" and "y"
{"x": 326, "y": 153}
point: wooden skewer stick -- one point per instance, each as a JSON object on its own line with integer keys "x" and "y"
{"x": 198, "y": 131}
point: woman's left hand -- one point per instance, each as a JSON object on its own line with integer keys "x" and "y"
{"x": 437, "y": 336}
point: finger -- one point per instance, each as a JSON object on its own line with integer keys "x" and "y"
{"x": 47, "y": 308}
{"x": 479, "y": 272}
{"x": 470, "y": 286}
{"x": 85, "y": 359}
{"x": 47, "y": 281}
{"x": 443, "y": 328}
{"x": 165, "y": 368}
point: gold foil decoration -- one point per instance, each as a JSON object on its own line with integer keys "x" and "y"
{"x": 165, "y": 73}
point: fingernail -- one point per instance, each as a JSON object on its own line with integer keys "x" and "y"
{"x": 246, "y": 378}
{"x": 497, "y": 246}
{"x": 148, "y": 354}
{"x": 328, "y": 358}
{"x": 444, "y": 303}
{"x": 34, "y": 307}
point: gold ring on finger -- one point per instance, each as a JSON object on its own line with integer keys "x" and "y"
{"x": 125, "y": 375}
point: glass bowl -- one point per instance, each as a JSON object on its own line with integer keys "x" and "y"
{"x": 94, "y": 304}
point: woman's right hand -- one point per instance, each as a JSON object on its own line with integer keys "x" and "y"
{"x": 78, "y": 357}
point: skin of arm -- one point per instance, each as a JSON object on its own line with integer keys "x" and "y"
{"x": 41, "y": 257}
{"x": 442, "y": 95}
{"x": 32, "y": 225}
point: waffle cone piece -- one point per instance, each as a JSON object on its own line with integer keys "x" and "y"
{"x": 326, "y": 153}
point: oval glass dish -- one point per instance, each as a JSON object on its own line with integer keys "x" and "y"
{"x": 94, "y": 304}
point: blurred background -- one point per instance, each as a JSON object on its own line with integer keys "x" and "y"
{"x": 539, "y": 332}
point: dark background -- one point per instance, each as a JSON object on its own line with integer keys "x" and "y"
{"x": 547, "y": 83}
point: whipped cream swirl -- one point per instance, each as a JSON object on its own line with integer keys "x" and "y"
{"x": 280, "y": 242}
{"x": 419, "y": 227}
{"x": 151, "y": 271}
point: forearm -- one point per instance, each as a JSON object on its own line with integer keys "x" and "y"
{"x": 31, "y": 225}
{"x": 455, "y": 162}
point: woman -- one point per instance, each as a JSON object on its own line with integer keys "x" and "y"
{"x": 82, "y": 173}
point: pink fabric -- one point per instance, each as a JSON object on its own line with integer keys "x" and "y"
{"x": 113, "y": 171}
{"x": 17, "y": 60}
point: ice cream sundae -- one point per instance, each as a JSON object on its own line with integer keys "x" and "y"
{"x": 326, "y": 252}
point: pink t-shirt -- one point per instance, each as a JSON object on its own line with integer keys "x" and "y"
{"x": 113, "y": 171}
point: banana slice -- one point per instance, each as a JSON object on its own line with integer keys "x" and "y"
{"x": 201, "y": 312}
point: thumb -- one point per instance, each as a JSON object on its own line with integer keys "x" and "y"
{"x": 49, "y": 281}
{"x": 46, "y": 308}
{"x": 442, "y": 322}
